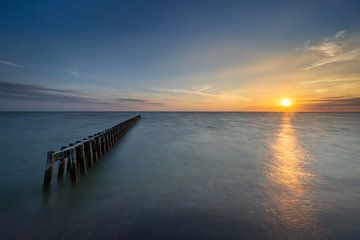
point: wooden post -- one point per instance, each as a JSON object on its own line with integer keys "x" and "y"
{"x": 105, "y": 133}
{"x": 68, "y": 168}
{"x": 77, "y": 158}
{"x": 110, "y": 139}
{"x": 80, "y": 157}
{"x": 48, "y": 169}
{"x": 62, "y": 163}
{"x": 103, "y": 144}
{"x": 73, "y": 165}
{"x": 117, "y": 134}
{"x": 95, "y": 150}
{"x": 113, "y": 136}
{"x": 98, "y": 146}
{"x": 88, "y": 153}
{"x": 107, "y": 141}
{"x": 121, "y": 130}
{"x": 99, "y": 143}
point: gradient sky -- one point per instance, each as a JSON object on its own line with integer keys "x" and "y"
{"x": 179, "y": 55}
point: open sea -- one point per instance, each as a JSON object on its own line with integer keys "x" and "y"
{"x": 186, "y": 176}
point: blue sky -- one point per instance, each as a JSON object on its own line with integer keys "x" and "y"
{"x": 177, "y": 55}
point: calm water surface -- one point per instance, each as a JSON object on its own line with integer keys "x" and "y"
{"x": 186, "y": 176}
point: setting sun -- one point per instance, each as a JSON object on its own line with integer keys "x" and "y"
{"x": 285, "y": 102}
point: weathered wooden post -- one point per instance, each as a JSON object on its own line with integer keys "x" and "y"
{"x": 80, "y": 157}
{"x": 95, "y": 150}
{"x": 118, "y": 133}
{"x": 107, "y": 135}
{"x": 48, "y": 169}
{"x": 73, "y": 165}
{"x": 121, "y": 130}
{"x": 77, "y": 162}
{"x": 103, "y": 144}
{"x": 106, "y": 141}
{"x": 101, "y": 140}
{"x": 98, "y": 146}
{"x": 111, "y": 138}
{"x": 88, "y": 153}
{"x": 62, "y": 162}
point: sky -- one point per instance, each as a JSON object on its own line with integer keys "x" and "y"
{"x": 99, "y": 55}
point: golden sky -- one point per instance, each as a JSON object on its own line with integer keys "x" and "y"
{"x": 323, "y": 75}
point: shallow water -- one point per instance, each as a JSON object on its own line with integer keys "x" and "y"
{"x": 186, "y": 176}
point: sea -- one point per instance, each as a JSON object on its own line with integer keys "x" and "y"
{"x": 185, "y": 175}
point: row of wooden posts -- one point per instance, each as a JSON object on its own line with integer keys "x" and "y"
{"x": 78, "y": 157}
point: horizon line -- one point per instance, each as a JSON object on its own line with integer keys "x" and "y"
{"x": 71, "y": 111}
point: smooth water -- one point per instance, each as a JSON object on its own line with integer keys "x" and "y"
{"x": 186, "y": 176}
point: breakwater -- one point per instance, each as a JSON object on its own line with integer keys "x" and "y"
{"x": 78, "y": 157}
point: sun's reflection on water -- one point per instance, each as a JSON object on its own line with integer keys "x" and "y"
{"x": 291, "y": 181}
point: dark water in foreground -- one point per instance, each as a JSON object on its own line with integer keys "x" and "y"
{"x": 186, "y": 176}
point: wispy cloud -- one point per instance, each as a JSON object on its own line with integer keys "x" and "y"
{"x": 135, "y": 101}
{"x": 12, "y": 64}
{"x": 340, "y": 34}
{"x": 202, "y": 90}
{"x": 18, "y": 91}
{"x": 73, "y": 72}
{"x": 347, "y": 56}
{"x": 333, "y": 79}
{"x": 338, "y": 48}
{"x": 131, "y": 100}
{"x": 34, "y": 94}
